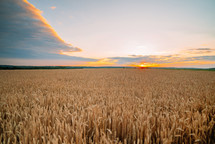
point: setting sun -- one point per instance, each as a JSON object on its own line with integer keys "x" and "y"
{"x": 142, "y": 65}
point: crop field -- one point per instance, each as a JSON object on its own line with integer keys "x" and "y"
{"x": 107, "y": 106}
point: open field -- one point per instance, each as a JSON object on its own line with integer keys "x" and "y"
{"x": 107, "y": 106}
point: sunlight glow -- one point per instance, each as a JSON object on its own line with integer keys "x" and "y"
{"x": 144, "y": 65}
{"x": 102, "y": 62}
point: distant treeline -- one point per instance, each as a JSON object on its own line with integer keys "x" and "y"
{"x": 12, "y": 67}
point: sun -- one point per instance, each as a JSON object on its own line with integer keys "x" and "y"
{"x": 142, "y": 65}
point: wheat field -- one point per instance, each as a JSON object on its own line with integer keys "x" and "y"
{"x": 107, "y": 106}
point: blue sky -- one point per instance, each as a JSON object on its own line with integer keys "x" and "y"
{"x": 114, "y": 32}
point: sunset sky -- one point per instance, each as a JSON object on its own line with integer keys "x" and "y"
{"x": 163, "y": 33}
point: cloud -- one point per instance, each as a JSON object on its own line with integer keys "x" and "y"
{"x": 149, "y": 59}
{"x": 200, "y": 51}
{"x": 164, "y": 60}
{"x": 102, "y": 62}
{"x": 53, "y": 7}
{"x": 24, "y": 33}
{"x": 205, "y": 58}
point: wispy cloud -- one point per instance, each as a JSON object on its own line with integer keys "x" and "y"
{"x": 200, "y": 51}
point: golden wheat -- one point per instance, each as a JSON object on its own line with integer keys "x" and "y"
{"x": 107, "y": 106}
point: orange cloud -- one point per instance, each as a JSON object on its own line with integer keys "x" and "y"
{"x": 172, "y": 64}
{"x": 44, "y": 23}
{"x": 37, "y": 15}
{"x": 69, "y": 52}
{"x": 186, "y": 63}
{"x": 102, "y": 62}
{"x": 204, "y": 45}
{"x": 53, "y": 7}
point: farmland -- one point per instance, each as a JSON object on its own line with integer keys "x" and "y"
{"x": 107, "y": 106}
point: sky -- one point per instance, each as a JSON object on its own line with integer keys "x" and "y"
{"x": 155, "y": 33}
